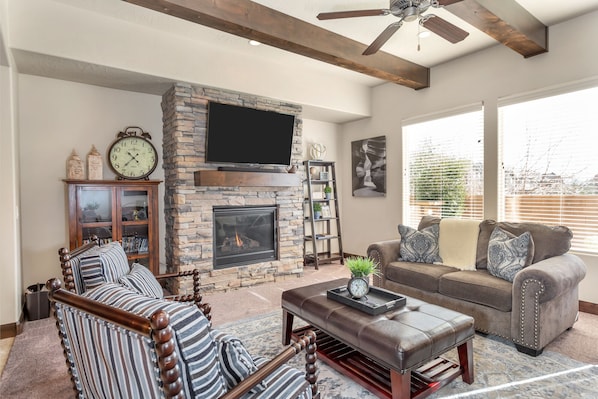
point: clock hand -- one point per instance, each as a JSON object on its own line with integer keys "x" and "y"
{"x": 133, "y": 158}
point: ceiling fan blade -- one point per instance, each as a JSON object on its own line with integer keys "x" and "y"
{"x": 383, "y": 38}
{"x": 352, "y": 14}
{"x": 442, "y": 3}
{"x": 443, "y": 28}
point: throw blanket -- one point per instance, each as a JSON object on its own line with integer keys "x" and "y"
{"x": 458, "y": 242}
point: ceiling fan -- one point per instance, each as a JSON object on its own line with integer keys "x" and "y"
{"x": 405, "y": 10}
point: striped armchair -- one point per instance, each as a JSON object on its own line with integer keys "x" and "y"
{"x": 89, "y": 265}
{"x": 121, "y": 344}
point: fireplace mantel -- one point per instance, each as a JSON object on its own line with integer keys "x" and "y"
{"x": 245, "y": 179}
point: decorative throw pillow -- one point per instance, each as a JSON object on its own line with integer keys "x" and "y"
{"x": 91, "y": 271}
{"x": 141, "y": 280}
{"x": 508, "y": 254}
{"x": 419, "y": 246}
{"x": 236, "y": 363}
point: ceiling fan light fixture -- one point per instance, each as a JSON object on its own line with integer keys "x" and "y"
{"x": 423, "y": 34}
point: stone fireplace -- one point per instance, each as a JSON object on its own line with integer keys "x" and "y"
{"x": 194, "y": 190}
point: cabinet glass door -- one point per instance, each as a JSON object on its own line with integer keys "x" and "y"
{"x": 95, "y": 214}
{"x": 135, "y": 226}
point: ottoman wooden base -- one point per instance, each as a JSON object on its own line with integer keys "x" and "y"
{"x": 382, "y": 381}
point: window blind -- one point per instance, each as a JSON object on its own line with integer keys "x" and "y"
{"x": 550, "y": 165}
{"x": 444, "y": 166}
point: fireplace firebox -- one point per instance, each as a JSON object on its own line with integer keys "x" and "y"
{"x": 244, "y": 235}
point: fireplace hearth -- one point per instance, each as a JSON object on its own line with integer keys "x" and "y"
{"x": 244, "y": 235}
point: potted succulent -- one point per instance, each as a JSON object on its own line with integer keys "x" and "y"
{"x": 328, "y": 191}
{"x": 317, "y": 210}
{"x": 360, "y": 268}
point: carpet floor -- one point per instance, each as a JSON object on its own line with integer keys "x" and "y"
{"x": 36, "y": 367}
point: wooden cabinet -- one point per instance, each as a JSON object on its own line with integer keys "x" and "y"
{"x": 123, "y": 210}
{"x": 322, "y": 241}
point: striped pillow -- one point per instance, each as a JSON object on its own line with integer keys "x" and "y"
{"x": 91, "y": 271}
{"x": 198, "y": 359}
{"x": 106, "y": 263}
{"x": 141, "y": 280}
{"x": 235, "y": 362}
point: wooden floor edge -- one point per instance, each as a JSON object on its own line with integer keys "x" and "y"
{"x": 588, "y": 307}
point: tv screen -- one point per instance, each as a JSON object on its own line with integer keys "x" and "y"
{"x": 246, "y": 135}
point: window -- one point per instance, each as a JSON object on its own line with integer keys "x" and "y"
{"x": 550, "y": 164}
{"x": 444, "y": 172}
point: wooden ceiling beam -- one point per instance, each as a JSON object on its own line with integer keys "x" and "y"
{"x": 506, "y": 21}
{"x": 253, "y": 21}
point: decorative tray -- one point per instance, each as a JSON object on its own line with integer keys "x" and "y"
{"x": 377, "y": 301}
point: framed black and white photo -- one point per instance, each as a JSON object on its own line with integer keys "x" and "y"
{"x": 326, "y": 211}
{"x": 368, "y": 161}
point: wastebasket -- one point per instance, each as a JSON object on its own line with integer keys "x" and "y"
{"x": 37, "y": 305}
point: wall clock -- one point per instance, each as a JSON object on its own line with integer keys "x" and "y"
{"x": 132, "y": 156}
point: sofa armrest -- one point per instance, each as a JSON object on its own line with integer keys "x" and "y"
{"x": 545, "y": 301}
{"x": 383, "y": 252}
{"x": 552, "y": 276}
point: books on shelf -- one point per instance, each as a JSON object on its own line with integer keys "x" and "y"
{"x": 135, "y": 244}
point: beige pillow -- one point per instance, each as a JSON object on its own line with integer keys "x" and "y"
{"x": 458, "y": 242}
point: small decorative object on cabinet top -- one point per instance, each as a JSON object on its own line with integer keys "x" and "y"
{"x": 74, "y": 167}
{"x": 132, "y": 157}
{"x": 317, "y": 151}
{"x": 94, "y": 165}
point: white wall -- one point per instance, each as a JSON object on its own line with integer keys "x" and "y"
{"x": 10, "y": 298}
{"x": 484, "y": 76}
{"x": 56, "y": 117}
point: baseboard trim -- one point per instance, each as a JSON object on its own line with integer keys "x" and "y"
{"x": 588, "y": 307}
{"x": 12, "y": 329}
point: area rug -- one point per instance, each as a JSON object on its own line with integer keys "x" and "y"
{"x": 36, "y": 367}
{"x": 500, "y": 371}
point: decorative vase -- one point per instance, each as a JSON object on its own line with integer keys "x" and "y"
{"x": 317, "y": 214}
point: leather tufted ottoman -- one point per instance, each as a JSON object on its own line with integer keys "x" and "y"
{"x": 394, "y": 354}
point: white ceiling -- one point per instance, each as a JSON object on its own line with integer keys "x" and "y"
{"x": 434, "y": 50}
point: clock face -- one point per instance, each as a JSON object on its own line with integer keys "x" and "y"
{"x": 357, "y": 287}
{"x": 132, "y": 157}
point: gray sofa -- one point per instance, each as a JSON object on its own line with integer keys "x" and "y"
{"x": 537, "y": 306}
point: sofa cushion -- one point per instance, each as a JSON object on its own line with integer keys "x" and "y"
{"x": 419, "y": 246}
{"x": 458, "y": 242}
{"x": 236, "y": 364}
{"x": 478, "y": 287}
{"x": 422, "y": 276}
{"x": 427, "y": 221}
{"x": 549, "y": 241}
{"x": 508, "y": 254}
{"x": 141, "y": 280}
{"x": 195, "y": 346}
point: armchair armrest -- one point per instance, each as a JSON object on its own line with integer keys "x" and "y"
{"x": 383, "y": 252}
{"x": 555, "y": 275}
{"x": 195, "y": 297}
{"x": 307, "y": 342}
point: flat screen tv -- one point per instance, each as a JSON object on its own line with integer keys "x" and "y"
{"x": 247, "y": 135}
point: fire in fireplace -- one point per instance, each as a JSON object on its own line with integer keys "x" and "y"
{"x": 244, "y": 235}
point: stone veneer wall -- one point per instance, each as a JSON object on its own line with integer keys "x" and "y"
{"x": 188, "y": 208}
